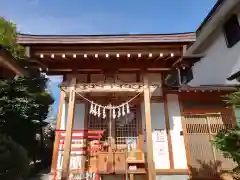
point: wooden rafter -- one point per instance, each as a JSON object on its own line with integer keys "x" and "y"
{"x": 107, "y": 64}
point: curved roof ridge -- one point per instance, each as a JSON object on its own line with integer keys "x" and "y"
{"x": 107, "y": 35}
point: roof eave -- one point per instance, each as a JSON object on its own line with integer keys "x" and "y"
{"x": 211, "y": 87}
{"x": 8, "y": 61}
{"x": 221, "y": 9}
{"x": 185, "y": 38}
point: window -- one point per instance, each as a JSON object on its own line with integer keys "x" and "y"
{"x": 232, "y": 31}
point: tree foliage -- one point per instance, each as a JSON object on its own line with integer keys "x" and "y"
{"x": 24, "y": 101}
{"x": 14, "y": 160}
{"x": 8, "y": 36}
{"x": 228, "y": 140}
{"x": 233, "y": 98}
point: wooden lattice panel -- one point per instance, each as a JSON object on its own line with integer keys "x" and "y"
{"x": 200, "y": 131}
{"x": 97, "y": 123}
{"x": 122, "y": 132}
{"x": 129, "y": 130}
{"x": 196, "y": 124}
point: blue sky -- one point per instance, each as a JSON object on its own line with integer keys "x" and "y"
{"x": 104, "y": 17}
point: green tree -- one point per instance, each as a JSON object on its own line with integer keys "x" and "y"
{"x": 24, "y": 101}
{"x": 228, "y": 140}
{"x": 233, "y": 98}
{"x": 14, "y": 160}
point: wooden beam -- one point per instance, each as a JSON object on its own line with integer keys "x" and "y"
{"x": 56, "y": 141}
{"x": 100, "y": 88}
{"x": 103, "y": 48}
{"x": 177, "y": 61}
{"x": 110, "y": 63}
{"x": 150, "y": 163}
{"x": 169, "y": 138}
{"x": 140, "y": 129}
{"x": 184, "y": 49}
{"x": 38, "y": 62}
{"x": 99, "y": 71}
{"x": 9, "y": 62}
{"x": 68, "y": 137}
{"x": 112, "y": 53}
{"x": 184, "y": 129}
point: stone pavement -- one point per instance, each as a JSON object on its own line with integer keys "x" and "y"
{"x": 43, "y": 176}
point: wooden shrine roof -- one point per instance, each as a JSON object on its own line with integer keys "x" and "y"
{"x": 28, "y": 39}
{"x": 61, "y": 54}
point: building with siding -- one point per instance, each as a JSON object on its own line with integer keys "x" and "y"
{"x": 218, "y": 44}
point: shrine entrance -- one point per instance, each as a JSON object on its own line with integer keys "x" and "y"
{"x": 111, "y": 107}
{"x": 94, "y": 68}
{"x": 118, "y": 130}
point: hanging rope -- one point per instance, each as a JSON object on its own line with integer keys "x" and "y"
{"x": 117, "y": 111}
{"x": 110, "y": 107}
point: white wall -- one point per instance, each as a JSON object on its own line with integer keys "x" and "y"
{"x": 220, "y": 63}
{"x": 178, "y": 145}
{"x": 79, "y": 116}
{"x": 63, "y": 117}
{"x": 160, "y": 150}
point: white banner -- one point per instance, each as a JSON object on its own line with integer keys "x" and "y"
{"x": 160, "y": 149}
